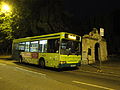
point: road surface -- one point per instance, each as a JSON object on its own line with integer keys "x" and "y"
{"x": 16, "y": 76}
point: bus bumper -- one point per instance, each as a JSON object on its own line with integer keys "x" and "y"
{"x": 69, "y": 65}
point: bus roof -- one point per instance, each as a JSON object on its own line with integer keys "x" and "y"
{"x": 47, "y": 36}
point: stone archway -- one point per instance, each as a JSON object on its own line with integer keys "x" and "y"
{"x": 97, "y": 46}
{"x": 94, "y": 48}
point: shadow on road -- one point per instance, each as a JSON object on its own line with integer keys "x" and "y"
{"x": 9, "y": 58}
{"x": 46, "y": 68}
{"x": 113, "y": 62}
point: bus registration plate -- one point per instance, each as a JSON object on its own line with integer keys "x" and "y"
{"x": 72, "y": 65}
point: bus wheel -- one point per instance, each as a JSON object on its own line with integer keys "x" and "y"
{"x": 42, "y": 63}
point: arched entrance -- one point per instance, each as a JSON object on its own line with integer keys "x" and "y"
{"x": 97, "y": 52}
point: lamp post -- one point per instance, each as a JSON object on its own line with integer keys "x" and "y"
{"x": 101, "y": 34}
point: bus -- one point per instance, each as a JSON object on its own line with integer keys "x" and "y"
{"x": 57, "y": 50}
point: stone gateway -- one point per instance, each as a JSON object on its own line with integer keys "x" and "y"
{"x": 94, "y": 48}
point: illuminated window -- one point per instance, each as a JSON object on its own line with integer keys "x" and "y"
{"x": 22, "y": 46}
{"x": 27, "y": 45}
{"x": 43, "y": 46}
{"x": 34, "y": 46}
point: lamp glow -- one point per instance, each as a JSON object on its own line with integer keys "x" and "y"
{"x": 5, "y": 8}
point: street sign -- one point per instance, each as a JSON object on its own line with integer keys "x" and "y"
{"x": 101, "y": 31}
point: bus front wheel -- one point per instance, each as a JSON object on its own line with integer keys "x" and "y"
{"x": 42, "y": 63}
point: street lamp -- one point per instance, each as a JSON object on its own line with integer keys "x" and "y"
{"x": 5, "y": 8}
{"x": 101, "y": 34}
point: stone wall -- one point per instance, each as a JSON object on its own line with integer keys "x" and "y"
{"x": 94, "y": 48}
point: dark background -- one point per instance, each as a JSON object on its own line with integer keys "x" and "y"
{"x": 38, "y": 17}
{"x": 98, "y": 13}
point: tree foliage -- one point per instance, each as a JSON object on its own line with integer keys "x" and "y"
{"x": 33, "y": 17}
{"x": 5, "y": 24}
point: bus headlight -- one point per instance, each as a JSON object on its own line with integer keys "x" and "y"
{"x": 62, "y": 62}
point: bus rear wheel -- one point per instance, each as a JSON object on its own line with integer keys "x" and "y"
{"x": 42, "y": 63}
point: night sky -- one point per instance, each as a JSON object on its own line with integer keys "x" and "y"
{"x": 87, "y": 14}
{"x": 108, "y": 9}
{"x": 92, "y": 7}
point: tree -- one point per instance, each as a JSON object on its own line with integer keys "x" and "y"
{"x": 5, "y": 22}
{"x": 34, "y": 17}
{"x": 41, "y": 16}
{"x": 5, "y": 27}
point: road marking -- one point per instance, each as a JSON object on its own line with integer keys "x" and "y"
{"x": 2, "y": 64}
{"x": 31, "y": 71}
{"x": 93, "y": 85}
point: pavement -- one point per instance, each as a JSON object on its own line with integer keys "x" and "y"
{"x": 111, "y": 67}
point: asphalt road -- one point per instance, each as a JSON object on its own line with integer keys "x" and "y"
{"x": 16, "y": 76}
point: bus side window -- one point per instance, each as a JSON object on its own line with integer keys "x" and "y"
{"x": 43, "y": 46}
{"x": 27, "y": 45}
{"x": 53, "y": 46}
{"x": 16, "y": 46}
{"x": 34, "y": 46}
{"x": 21, "y": 46}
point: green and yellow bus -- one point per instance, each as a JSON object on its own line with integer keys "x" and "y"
{"x": 56, "y": 50}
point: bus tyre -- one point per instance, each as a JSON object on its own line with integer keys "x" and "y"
{"x": 42, "y": 63}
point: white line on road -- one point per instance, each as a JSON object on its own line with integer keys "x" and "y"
{"x": 2, "y": 64}
{"x": 93, "y": 85}
{"x": 31, "y": 71}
